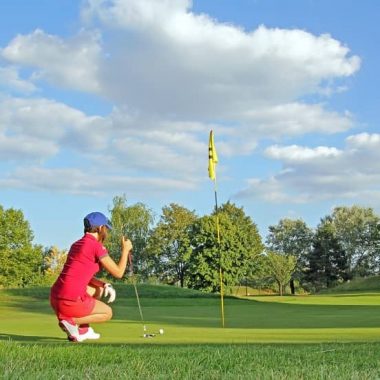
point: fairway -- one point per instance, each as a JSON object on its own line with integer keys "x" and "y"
{"x": 192, "y": 317}
{"x": 303, "y": 337}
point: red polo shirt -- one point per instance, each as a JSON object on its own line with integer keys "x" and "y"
{"x": 81, "y": 265}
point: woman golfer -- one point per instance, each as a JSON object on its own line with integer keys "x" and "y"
{"x": 75, "y": 295}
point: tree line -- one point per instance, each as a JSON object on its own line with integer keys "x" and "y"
{"x": 182, "y": 248}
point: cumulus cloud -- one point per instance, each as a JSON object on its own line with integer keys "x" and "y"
{"x": 296, "y": 153}
{"x": 42, "y": 124}
{"x": 10, "y": 79}
{"x": 69, "y": 63}
{"x": 176, "y": 62}
{"x": 22, "y": 148}
{"x": 171, "y": 75}
{"x": 82, "y": 182}
{"x": 145, "y": 155}
{"x": 164, "y": 150}
{"x": 322, "y": 173}
{"x": 135, "y": 14}
{"x": 364, "y": 140}
{"x": 40, "y": 128}
{"x": 159, "y": 57}
{"x": 294, "y": 119}
{"x": 271, "y": 190}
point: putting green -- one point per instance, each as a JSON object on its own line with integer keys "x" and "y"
{"x": 191, "y": 317}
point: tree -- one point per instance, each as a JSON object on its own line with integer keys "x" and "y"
{"x": 357, "y": 230}
{"x": 291, "y": 237}
{"x": 281, "y": 268}
{"x": 240, "y": 245}
{"x": 169, "y": 243}
{"x": 133, "y": 222}
{"x": 53, "y": 262}
{"x": 327, "y": 262}
{"x": 20, "y": 260}
{"x": 259, "y": 276}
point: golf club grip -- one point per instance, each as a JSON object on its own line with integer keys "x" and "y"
{"x": 130, "y": 261}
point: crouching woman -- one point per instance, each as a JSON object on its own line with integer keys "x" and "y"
{"x": 75, "y": 296}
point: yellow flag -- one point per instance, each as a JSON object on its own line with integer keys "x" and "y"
{"x": 212, "y": 157}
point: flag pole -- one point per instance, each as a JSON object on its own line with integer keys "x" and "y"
{"x": 213, "y": 160}
{"x": 220, "y": 254}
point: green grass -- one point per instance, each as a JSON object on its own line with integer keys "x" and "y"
{"x": 193, "y": 317}
{"x": 356, "y": 285}
{"x": 331, "y": 361}
{"x": 324, "y": 336}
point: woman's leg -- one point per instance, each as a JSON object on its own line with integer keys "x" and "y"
{"x": 100, "y": 313}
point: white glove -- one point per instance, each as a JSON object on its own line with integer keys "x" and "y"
{"x": 110, "y": 292}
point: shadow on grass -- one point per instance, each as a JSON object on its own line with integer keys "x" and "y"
{"x": 31, "y": 338}
{"x": 35, "y": 292}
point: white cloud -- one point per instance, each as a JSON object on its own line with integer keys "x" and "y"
{"x": 270, "y": 190}
{"x": 322, "y": 173}
{"x": 172, "y": 75}
{"x": 23, "y": 148}
{"x": 119, "y": 143}
{"x": 292, "y": 119}
{"x": 176, "y": 150}
{"x": 296, "y": 153}
{"x": 69, "y": 63}
{"x": 45, "y": 121}
{"x": 161, "y": 58}
{"x": 135, "y": 14}
{"x": 10, "y": 78}
{"x": 172, "y": 65}
{"x": 364, "y": 140}
{"x": 76, "y": 181}
{"x": 204, "y": 67}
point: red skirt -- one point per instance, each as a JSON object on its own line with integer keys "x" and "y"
{"x": 81, "y": 307}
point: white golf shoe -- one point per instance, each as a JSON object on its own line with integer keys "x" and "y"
{"x": 77, "y": 334}
{"x": 71, "y": 329}
{"x": 89, "y": 334}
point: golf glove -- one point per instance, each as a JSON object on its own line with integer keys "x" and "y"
{"x": 110, "y": 292}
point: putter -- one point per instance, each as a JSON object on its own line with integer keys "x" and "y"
{"x": 145, "y": 334}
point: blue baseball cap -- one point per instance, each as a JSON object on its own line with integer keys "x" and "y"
{"x": 96, "y": 219}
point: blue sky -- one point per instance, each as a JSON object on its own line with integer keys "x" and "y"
{"x": 103, "y": 98}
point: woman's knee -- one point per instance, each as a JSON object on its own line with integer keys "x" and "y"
{"x": 103, "y": 311}
{"x": 107, "y": 312}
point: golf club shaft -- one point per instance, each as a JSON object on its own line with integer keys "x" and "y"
{"x": 138, "y": 303}
{"x": 130, "y": 261}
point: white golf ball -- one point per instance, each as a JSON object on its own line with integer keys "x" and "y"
{"x": 161, "y": 331}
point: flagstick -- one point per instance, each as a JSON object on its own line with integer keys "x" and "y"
{"x": 220, "y": 253}
{"x": 212, "y": 161}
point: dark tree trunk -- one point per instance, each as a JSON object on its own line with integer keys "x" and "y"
{"x": 292, "y": 288}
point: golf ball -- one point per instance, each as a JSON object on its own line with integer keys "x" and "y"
{"x": 161, "y": 331}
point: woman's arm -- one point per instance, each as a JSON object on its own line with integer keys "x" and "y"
{"x": 95, "y": 283}
{"x": 117, "y": 269}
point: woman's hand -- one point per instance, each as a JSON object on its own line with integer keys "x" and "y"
{"x": 110, "y": 292}
{"x": 117, "y": 269}
{"x": 126, "y": 244}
